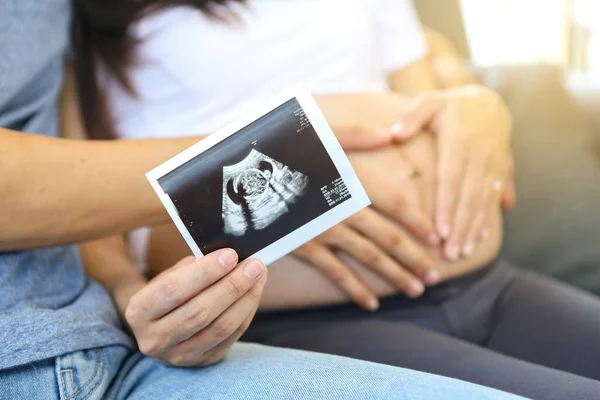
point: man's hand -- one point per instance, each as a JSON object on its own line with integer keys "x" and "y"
{"x": 475, "y": 169}
{"x": 191, "y": 314}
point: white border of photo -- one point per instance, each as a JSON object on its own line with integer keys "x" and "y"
{"x": 306, "y": 232}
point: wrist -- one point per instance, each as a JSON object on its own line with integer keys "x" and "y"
{"x": 123, "y": 290}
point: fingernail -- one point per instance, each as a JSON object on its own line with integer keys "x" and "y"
{"x": 444, "y": 231}
{"x": 228, "y": 258}
{"x": 433, "y": 239}
{"x": 452, "y": 252}
{"x": 253, "y": 269}
{"x": 372, "y": 304}
{"x": 415, "y": 289}
{"x": 485, "y": 233}
{"x": 468, "y": 248}
{"x": 397, "y": 128}
{"x": 432, "y": 277}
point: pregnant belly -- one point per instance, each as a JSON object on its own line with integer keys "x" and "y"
{"x": 293, "y": 283}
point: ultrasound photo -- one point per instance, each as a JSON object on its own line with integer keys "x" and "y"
{"x": 255, "y": 187}
{"x": 257, "y": 191}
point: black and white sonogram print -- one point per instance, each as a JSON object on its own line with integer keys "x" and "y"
{"x": 257, "y": 191}
{"x": 257, "y": 185}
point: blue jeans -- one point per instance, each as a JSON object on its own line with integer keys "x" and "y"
{"x": 249, "y": 372}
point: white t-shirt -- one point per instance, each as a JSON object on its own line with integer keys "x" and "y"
{"x": 196, "y": 74}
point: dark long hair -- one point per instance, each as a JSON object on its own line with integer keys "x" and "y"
{"x": 100, "y": 34}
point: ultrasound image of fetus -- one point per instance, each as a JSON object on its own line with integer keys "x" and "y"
{"x": 257, "y": 191}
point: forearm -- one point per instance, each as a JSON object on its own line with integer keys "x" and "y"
{"x": 372, "y": 110}
{"x": 448, "y": 66}
{"x": 56, "y": 191}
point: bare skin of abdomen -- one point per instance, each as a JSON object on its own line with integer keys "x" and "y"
{"x": 294, "y": 283}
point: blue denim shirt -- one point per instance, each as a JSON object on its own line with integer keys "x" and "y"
{"x": 47, "y": 306}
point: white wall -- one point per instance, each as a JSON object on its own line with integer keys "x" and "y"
{"x": 517, "y": 31}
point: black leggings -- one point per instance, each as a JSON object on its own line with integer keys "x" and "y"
{"x": 500, "y": 327}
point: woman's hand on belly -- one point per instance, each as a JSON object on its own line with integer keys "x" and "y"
{"x": 412, "y": 168}
{"x": 371, "y": 239}
{"x": 474, "y": 160}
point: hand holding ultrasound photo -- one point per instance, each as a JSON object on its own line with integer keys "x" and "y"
{"x": 263, "y": 185}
